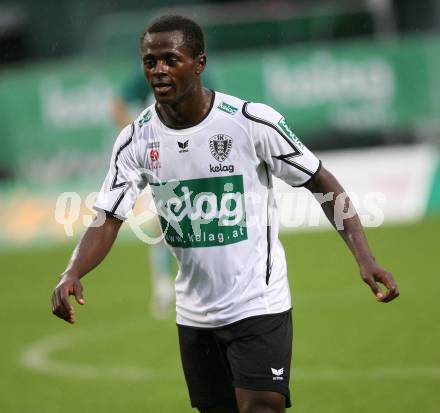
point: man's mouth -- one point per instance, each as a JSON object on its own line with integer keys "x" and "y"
{"x": 162, "y": 87}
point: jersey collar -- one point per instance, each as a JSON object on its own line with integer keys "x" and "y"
{"x": 208, "y": 115}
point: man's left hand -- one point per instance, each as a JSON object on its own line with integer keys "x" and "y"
{"x": 373, "y": 274}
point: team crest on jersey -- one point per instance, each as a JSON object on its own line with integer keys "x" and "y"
{"x": 220, "y": 146}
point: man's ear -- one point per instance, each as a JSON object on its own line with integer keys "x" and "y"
{"x": 201, "y": 63}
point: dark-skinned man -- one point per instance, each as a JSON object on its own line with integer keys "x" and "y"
{"x": 209, "y": 159}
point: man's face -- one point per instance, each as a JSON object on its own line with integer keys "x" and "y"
{"x": 169, "y": 66}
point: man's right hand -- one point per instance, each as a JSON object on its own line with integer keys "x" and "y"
{"x": 61, "y": 307}
{"x": 92, "y": 247}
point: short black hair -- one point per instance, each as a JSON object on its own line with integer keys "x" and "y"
{"x": 192, "y": 32}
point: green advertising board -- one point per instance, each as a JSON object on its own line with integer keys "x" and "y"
{"x": 364, "y": 86}
{"x": 56, "y": 119}
{"x": 57, "y": 125}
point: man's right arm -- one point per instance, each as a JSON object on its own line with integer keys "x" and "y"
{"x": 89, "y": 252}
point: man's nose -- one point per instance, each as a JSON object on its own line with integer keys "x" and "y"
{"x": 161, "y": 67}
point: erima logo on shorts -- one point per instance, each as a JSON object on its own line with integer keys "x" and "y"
{"x": 277, "y": 374}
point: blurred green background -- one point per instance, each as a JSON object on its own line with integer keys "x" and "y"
{"x": 358, "y": 81}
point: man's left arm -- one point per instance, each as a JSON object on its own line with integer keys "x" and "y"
{"x": 335, "y": 206}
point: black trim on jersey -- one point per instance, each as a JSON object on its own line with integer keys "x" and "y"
{"x": 108, "y": 214}
{"x": 285, "y": 158}
{"x": 246, "y": 114}
{"x": 268, "y": 266}
{"x": 115, "y": 184}
{"x": 308, "y": 180}
{"x": 191, "y": 125}
{"x": 121, "y": 148}
{"x": 118, "y": 201}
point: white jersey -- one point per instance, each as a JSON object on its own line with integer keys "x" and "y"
{"x": 212, "y": 184}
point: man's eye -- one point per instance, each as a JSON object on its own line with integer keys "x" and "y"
{"x": 149, "y": 63}
{"x": 171, "y": 61}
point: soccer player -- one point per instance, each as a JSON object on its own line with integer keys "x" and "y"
{"x": 209, "y": 159}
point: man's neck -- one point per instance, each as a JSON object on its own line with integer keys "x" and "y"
{"x": 189, "y": 111}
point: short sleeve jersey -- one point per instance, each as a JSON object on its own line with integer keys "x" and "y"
{"x": 212, "y": 185}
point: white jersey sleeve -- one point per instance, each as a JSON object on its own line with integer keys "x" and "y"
{"x": 124, "y": 180}
{"x": 275, "y": 143}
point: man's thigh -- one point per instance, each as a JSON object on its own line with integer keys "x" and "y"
{"x": 251, "y": 401}
{"x": 260, "y": 354}
{"x": 207, "y": 373}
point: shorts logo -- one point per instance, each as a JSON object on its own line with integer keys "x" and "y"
{"x": 220, "y": 146}
{"x": 277, "y": 374}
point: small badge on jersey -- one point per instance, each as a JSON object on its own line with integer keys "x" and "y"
{"x": 226, "y": 107}
{"x": 145, "y": 119}
{"x": 154, "y": 159}
{"x": 183, "y": 146}
{"x": 220, "y": 146}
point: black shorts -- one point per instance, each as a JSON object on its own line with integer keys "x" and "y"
{"x": 253, "y": 353}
